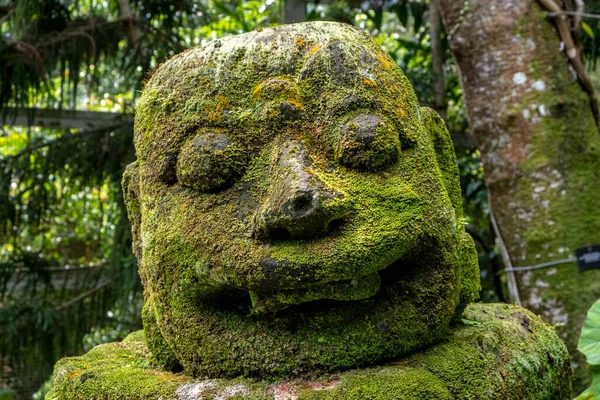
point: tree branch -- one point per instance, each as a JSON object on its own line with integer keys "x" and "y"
{"x": 573, "y": 53}
{"x": 62, "y": 119}
{"x": 129, "y": 19}
{"x": 578, "y": 15}
{"x": 437, "y": 58}
{"x": 83, "y": 295}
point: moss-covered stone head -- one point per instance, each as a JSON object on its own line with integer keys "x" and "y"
{"x": 293, "y": 207}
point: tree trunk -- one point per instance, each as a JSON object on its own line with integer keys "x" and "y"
{"x": 541, "y": 151}
{"x": 294, "y": 11}
{"x": 437, "y": 58}
{"x": 127, "y": 14}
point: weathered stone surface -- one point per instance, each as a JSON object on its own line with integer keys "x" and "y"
{"x": 294, "y": 209}
{"x": 508, "y": 354}
{"x": 297, "y": 220}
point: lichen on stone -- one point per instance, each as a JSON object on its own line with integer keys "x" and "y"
{"x": 292, "y": 202}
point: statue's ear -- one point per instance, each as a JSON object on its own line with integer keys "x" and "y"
{"x": 446, "y": 158}
{"x": 131, "y": 195}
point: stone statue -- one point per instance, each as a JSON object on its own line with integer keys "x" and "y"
{"x": 297, "y": 214}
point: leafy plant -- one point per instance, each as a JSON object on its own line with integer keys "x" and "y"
{"x": 589, "y": 344}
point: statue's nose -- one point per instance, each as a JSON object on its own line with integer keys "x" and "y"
{"x": 299, "y": 205}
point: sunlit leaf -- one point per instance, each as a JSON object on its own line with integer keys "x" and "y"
{"x": 586, "y": 28}
{"x": 589, "y": 341}
{"x": 589, "y": 344}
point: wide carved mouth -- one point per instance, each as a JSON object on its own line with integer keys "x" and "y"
{"x": 335, "y": 292}
{"x": 288, "y": 288}
{"x": 360, "y": 288}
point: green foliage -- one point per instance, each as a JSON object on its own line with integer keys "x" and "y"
{"x": 589, "y": 340}
{"x": 241, "y": 16}
{"x": 590, "y": 36}
{"x": 62, "y": 207}
{"x": 6, "y": 394}
{"x": 51, "y": 49}
{"x": 586, "y": 28}
{"x": 589, "y": 345}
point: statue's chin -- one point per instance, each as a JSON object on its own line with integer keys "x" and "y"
{"x": 394, "y": 311}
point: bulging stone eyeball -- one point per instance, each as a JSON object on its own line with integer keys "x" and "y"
{"x": 209, "y": 162}
{"x": 367, "y": 142}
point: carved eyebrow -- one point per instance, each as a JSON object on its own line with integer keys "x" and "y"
{"x": 355, "y": 102}
{"x": 203, "y": 121}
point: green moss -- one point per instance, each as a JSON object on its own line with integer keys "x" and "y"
{"x": 359, "y": 288}
{"x": 446, "y": 157}
{"x": 161, "y": 350}
{"x": 209, "y": 162}
{"x": 333, "y": 178}
{"x": 469, "y": 273}
{"x": 137, "y": 336}
{"x": 508, "y": 354}
{"x": 131, "y": 197}
{"x": 367, "y": 143}
{"x": 111, "y": 371}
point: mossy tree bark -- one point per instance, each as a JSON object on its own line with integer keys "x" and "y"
{"x": 540, "y": 148}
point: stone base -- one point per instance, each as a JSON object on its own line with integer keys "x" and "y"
{"x": 502, "y": 352}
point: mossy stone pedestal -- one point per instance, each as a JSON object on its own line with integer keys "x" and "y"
{"x": 504, "y": 352}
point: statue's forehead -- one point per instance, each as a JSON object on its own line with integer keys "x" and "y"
{"x": 349, "y": 65}
{"x": 220, "y": 85}
{"x": 335, "y": 71}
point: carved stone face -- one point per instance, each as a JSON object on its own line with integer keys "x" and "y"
{"x": 293, "y": 207}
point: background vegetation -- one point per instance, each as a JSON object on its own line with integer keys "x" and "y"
{"x": 68, "y": 279}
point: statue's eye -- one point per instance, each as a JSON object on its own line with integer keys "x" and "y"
{"x": 209, "y": 162}
{"x": 367, "y": 142}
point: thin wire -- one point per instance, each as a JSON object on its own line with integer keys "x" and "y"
{"x": 586, "y": 15}
{"x": 513, "y": 286}
{"x": 543, "y": 265}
